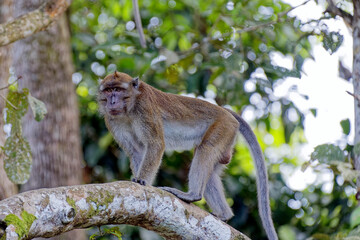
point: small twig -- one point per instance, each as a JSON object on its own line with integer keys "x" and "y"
{"x": 8, "y": 102}
{"x": 138, "y": 23}
{"x": 286, "y": 12}
{"x": 357, "y": 97}
{"x": 6, "y": 87}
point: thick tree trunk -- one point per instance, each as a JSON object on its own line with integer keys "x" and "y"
{"x": 7, "y": 188}
{"x": 356, "y": 81}
{"x": 45, "y": 63}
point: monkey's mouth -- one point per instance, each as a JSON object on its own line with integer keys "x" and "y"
{"x": 115, "y": 112}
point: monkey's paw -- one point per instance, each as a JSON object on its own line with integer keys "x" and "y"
{"x": 224, "y": 219}
{"x": 139, "y": 181}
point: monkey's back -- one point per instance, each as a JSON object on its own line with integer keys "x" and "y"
{"x": 187, "y": 108}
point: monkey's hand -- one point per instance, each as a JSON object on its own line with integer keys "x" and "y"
{"x": 186, "y": 197}
{"x": 140, "y": 181}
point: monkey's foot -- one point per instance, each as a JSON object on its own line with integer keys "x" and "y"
{"x": 140, "y": 181}
{"x": 186, "y": 197}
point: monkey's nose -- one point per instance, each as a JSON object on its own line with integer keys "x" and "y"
{"x": 113, "y": 100}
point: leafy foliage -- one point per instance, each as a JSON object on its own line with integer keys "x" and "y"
{"x": 335, "y": 157}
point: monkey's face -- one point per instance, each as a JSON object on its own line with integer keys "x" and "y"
{"x": 117, "y": 94}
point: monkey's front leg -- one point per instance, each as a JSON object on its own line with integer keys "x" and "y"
{"x": 150, "y": 163}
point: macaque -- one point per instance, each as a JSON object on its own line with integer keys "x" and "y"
{"x": 145, "y": 122}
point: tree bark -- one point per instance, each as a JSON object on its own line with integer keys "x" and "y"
{"x": 356, "y": 82}
{"x": 63, "y": 209}
{"x": 44, "y": 61}
{"x": 7, "y": 188}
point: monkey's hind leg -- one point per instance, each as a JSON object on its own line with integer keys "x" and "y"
{"x": 215, "y": 196}
{"x": 200, "y": 171}
{"x": 213, "y": 149}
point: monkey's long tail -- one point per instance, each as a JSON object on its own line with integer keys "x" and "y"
{"x": 262, "y": 178}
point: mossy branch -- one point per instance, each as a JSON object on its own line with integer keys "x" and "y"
{"x": 58, "y": 210}
{"x": 32, "y": 22}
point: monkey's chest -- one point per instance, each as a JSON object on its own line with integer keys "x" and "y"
{"x": 179, "y": 136}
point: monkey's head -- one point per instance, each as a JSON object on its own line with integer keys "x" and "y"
{"x": 117, "y": 93}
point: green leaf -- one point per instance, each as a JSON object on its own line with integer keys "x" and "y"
{"x": 113, "y": 231}
{"x": 16, "y": 107}
{"x": 38, "y": 108}
{"x": 326, "y": 153}
{"x": 282, "y": 72}
{"x": 355, "y": 217}
{"x": 332, "y": 41}
{"x": 93, "y": 237}
{"x": 184, "y": 43}
{"x": 18, "y": 160}
{"x": 345, "y": 124}
{"x": 299, "y": 62}
{"x": 314, "y": 112}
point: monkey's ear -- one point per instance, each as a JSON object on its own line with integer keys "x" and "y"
{"x": 135, "y": 82}
{"x": 116, "y": 73}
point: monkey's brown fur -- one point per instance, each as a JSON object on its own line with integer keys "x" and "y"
{"x": 145, "y": 121}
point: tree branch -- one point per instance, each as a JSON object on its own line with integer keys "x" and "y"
{"x": 32, "y": 22}
{"x": 58, "y": 210}
{"x": 334, "y": 10}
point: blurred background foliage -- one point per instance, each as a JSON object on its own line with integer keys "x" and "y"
{"x": 222, "y": 51}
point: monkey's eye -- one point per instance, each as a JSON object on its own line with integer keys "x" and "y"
{"x": 118, "y": 89}
{"x": 103, "y": 100}
{"x": 113, "y": 89}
